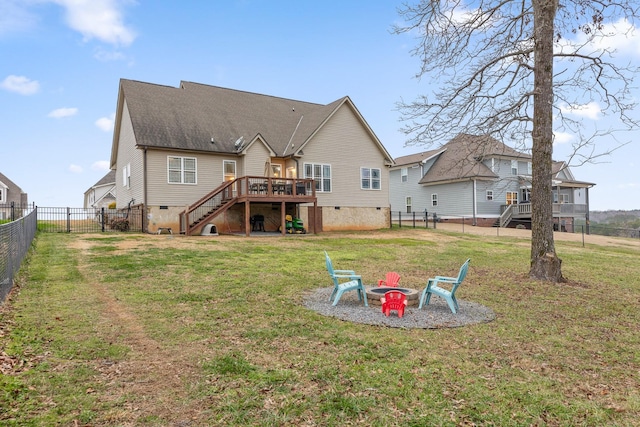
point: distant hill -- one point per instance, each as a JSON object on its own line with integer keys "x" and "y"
{"x": 615, "y": 216}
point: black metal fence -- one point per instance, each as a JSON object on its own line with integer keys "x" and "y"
{"x": 15, "y": 240}
{"x": 90, "y": 220}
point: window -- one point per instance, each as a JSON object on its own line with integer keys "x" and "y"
{"x": 434, "y": 200}
{"x": 321, "y": 174}
{"x": 512, "y": 197}
{"x": 229, "y": 168}
{"x": 489, "y": 195}
{"x": 514, "y": 167}
{"x": 181, "y": 170}
{"x": 404, "y": 174}
{"x": 528, "y": 168}
{"x": 126, "y": 176}
{"x": 1, "y": 195}
{"x": 564, "y": 198}
{"x": 276, "y": 170}
{"x": 369, "y": 179}
{"x": 408, "y": 203}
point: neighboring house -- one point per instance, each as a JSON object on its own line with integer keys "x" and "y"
{"x": 10, "y": 194}
{"x": 102, "y": 193}
{"x": 482, "y": 181}
{"x": 200, "y": 154}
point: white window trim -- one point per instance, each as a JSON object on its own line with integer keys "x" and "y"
{"x": 235, "y": 169}
{"x": 319, "y": 182}
{"x": 514, "y": 166}
{"x": 404, "y": 174}
{"x": 126, "y": 176}
{"x": 490, "y": 195}
{"x": 370, "y": 179}
{"x": 408, "y": 204}
{"x": 434, "y": 200}
{"x": 182, "y": 171}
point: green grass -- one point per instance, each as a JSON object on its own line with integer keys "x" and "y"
{"x": 163, "y": 331}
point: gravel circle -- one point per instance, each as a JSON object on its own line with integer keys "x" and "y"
{"x": 434, "y": 316}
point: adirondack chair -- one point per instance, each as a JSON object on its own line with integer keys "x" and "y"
{"x": 393, "y": 300}
{"x": 391, "y": 280}
{"x": 434, "y": 288}
{"x": 353, "y": 282}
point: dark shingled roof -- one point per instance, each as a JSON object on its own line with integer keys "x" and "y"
{"x": 461, "y": 158}
{"x": 188, "y": 117}
{"x": 109, "y": 178}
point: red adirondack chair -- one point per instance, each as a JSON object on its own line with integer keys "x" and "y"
{"x": 393, "y": 300}
{"x": 391, "y": 280}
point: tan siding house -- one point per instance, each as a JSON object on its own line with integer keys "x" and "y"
{"x": 173, "y": 147}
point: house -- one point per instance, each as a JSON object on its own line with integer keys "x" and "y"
{"x": 102, "y": 193}
{"x": 199, "y": 154}
{"x": 480, "y": 180}
{"x": 11, "y": 194}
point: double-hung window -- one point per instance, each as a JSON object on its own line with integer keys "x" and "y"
{"x": 404, "y": 174}
{"x": 321, "y": 174}
{"x": 434, "y": 199}
{"x": 370, "y": 178}
{"x": 181, "y": 170}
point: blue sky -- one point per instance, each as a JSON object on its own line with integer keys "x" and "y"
{"x": 61, "y": 61}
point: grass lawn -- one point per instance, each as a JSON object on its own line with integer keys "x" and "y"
{"x": 147, "y": 330}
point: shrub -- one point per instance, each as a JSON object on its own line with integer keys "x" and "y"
{"x": 119, "y": 224}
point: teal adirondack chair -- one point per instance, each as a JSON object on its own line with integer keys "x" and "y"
{"x": 340, "y": 286}
{"x": 433, "y": 288}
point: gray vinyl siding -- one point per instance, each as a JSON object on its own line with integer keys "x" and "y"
{"x": 399, "y": 191}
{"x": 209, "y": 173}
{"x": 345, "y": 144}
{"x": 454, "y": 199}
{"x": 255, "y": 159}
{"x": 128, "y": 154}
{"x": 485, "y": 207}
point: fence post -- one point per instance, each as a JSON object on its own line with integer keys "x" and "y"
{"x": 399, "y": 219}
{"x": 435, "y": 219}
{"x": 68, "y": 220}
{"x": 102, "y": 218}
{"x": 426, "y": 218}
{"x": 414, "y": 219}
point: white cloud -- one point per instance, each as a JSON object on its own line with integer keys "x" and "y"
{"x": 106, "y": 123}
{"x": 75, "y": 168}
{"x": 100, "y": 19}
{"x": 591, "y": 110}
{"x": 63, "y": 112}
{"x": 106, "y": 56}
{"x": 562, "y": 137}
{"x": 14, "y": 17}
{"x": 20, "y": 84}
{"x": 621, "y": 36}
{"x": 100, "y": 165}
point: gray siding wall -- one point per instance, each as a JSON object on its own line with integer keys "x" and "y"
{"x": 255, "y": 159}
{"x": 128, "y": 154}
{"x": 346, "y": 145}
{"x": 454, "y": 200}
{"x": 209, "y": 176}
{"x": 399, "y": 191}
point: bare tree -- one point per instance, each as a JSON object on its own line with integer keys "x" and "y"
{"x": 494, "y": 64}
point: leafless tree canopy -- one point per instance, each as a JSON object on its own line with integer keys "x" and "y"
{"x": 480, "y": 55}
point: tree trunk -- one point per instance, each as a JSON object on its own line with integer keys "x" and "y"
{"x": 545, "y": 264}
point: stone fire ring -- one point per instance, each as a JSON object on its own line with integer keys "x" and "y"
{"x": 375, "y": 293}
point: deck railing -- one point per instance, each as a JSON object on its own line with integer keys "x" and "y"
{"x": 246, "y": 188}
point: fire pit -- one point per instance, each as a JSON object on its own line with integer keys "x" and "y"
{"x": 374, "y": 295}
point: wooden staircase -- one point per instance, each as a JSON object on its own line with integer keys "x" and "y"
{"x": 207, "y": 208}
